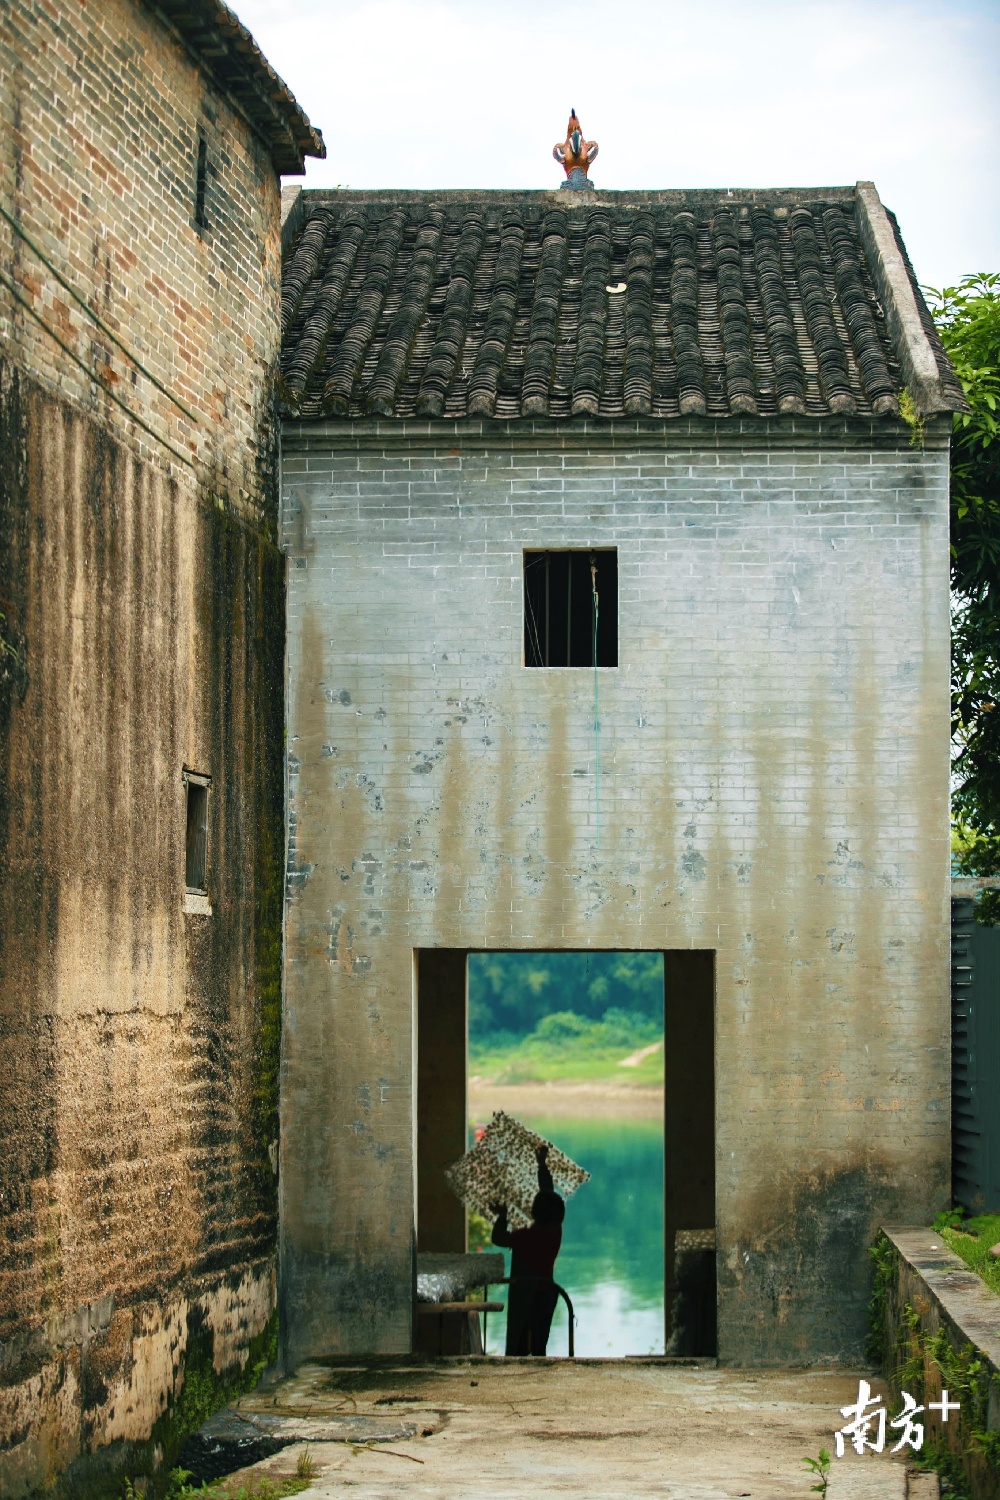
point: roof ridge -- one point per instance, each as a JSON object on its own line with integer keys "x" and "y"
{"x": 899, "y": 293}
{"x": 598, "y": 198}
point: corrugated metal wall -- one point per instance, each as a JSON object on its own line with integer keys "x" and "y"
{"x": 975, "y": 1060}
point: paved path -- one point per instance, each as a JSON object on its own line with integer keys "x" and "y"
{"x": 509, "y": 1430}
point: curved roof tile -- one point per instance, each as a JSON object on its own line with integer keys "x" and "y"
{"x": 511, "y": 305}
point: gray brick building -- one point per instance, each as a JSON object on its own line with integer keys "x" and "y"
{"x": 698, "y": 395}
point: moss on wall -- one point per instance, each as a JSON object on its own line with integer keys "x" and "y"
{"x": 916, "y": 1356}
{"x": 243, "y": 622}
{"x": 159, "y": 610}
{"x": 200, "y": 1391}
{"x": 269, "y": 887}
{"x": 203, "y": 1391}
{"x": 13, "y": 522}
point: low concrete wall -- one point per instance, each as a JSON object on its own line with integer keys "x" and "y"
{"x": 938, "y": 1326}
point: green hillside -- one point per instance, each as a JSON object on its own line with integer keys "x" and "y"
{"x": 624, "y": 1048}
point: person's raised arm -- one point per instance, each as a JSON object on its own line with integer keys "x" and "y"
{"x": 544, "y": 1175}
{"x": 501, "y": 1234}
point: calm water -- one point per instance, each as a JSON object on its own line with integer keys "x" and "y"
{"x": 611, "y": 1262}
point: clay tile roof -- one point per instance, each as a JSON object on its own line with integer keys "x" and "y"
{"x": 229, "y": 53}
{"x": 487, "y": 304}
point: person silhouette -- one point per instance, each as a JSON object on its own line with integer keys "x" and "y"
{"x": 532, "y": 1297}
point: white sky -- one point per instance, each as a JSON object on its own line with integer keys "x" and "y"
{"x": 679, "y": 93}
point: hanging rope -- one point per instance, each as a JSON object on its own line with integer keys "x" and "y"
{"x": 597, "y": 712}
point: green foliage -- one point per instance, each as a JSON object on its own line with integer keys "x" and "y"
{"x": 972, "y": 1240}
{"x": 480, "y": 1232}
{"x": 509, "y": 993}
{"x": 905, "y": 1352}
{"x": 965, "y": 1376}
{"x": 821, "y": 1467}
{"x": 562, "y": 1026}
{"x": 13, "y": 661}
{"x": 910, "y": 1366}
{"x": 266, "y": 1489}
{"x": 256, "y": 1489}
{"x": 968, "y": 320}
{"x": 949, "y": 1218}
{"x": 617, "y": 1028}
{"x": 178, "y": 1488}
{"x": 912, "y": 417}
{"x": 937, "y": 1458}
{"x": 567, "y": 1046}
{"x": 886, "y": 1261}
{"x": 977, "y": 854}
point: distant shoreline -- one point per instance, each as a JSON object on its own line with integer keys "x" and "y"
{"x": 583, "y": 1099}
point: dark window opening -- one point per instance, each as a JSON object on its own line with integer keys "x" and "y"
{"x": 196, "y": 846}
{"x": 201, "y": 182}
{"x": 571, "y": 608}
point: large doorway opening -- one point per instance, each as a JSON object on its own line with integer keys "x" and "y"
{"x": 612, "y": 1056}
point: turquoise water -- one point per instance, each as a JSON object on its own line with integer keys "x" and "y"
{"x": 611, "y": 1262}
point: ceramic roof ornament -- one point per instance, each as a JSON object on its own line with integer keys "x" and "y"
{"x": 575, "y": 154}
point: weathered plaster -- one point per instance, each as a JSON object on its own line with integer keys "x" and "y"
{"x": 138, "y": 1044}
{"x": 773, "y": 787}
{"x": 143, "y": 595}
{"x": 103, "y": 1390}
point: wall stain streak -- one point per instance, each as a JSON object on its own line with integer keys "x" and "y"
{"x": 773, "y": 779}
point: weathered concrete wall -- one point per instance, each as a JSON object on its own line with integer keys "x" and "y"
{"x": 773, "y": 787}
{"x": 142, "y": 601}
{"x": 138, "y": 1063}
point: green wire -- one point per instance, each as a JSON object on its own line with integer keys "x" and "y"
{"x": 20, "y": 230}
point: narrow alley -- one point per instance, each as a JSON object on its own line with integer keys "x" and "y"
{"x": 520, "y": 1428}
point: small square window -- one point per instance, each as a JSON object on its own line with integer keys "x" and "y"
{"x": 196, "y": 841}
{"x": 571, "y": 608}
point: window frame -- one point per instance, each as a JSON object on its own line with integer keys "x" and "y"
{"x": 595, "y": 551}
{"x": 196, "y": 781}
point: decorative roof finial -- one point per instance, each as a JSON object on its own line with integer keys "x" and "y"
{"x": 575, "y": 154}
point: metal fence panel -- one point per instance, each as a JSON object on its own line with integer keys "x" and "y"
{"x": 975, "y": 1040}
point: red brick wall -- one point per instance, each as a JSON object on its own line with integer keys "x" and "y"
{"x": 100, "y": 116}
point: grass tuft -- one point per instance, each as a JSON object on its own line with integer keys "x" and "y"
{"x": 974, "y": 1247}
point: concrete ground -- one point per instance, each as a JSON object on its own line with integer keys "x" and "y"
{"x": 459, "y": 1430}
